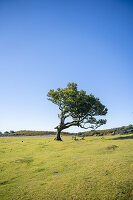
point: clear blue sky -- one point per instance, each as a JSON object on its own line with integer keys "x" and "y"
{"x": 46, "y": 44}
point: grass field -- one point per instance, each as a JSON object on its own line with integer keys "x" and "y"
{"x": 40, "y": 168}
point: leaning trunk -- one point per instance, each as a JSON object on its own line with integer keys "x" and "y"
{"x": 60, "y": 127}
{"x": 58, "y": 135}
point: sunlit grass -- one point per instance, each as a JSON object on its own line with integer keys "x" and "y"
{"x": 39, "y": 168}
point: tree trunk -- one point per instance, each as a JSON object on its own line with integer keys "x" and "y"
{"x": 60, "y": 127}
{"x": 58, "y": 135}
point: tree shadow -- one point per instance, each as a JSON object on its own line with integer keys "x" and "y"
{"x": 123, "y": 137}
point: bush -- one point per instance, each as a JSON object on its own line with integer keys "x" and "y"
{"x": 12, "y": 131}
{"x": 6, "y": 132}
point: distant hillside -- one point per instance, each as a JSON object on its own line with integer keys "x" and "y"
{"x": 31, "y": 133}
{"x": 113, "y": 131}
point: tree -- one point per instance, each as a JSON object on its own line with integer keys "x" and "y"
{"x": 81, "y": 109}
{"x": 12, "y": 131}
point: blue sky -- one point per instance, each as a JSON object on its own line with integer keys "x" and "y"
{"x": 46, "y": 44}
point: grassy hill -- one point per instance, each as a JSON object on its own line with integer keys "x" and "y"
{"x": 114, "y": 131}
{"x": 39, "y": 168}
{"x": 32, "y": 133}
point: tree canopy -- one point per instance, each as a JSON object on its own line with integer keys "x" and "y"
{"x": 82, "y": 109}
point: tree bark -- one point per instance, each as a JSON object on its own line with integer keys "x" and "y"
{"x": 58, "y": 135}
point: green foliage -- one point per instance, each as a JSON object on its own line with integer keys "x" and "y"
{"x": 113, "y": 131}
{"x": 12, "y": 131}
{"x": 32, "y": 133}
{"x": 82, "y": 108}
{"x": 6, "y": 132}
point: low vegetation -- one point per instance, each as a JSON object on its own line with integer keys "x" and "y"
{"x": 113, "y": 131}
{"x": 124, "y": 130}
{"x": 32, "y": 133}
{"x": 38, "y": 168}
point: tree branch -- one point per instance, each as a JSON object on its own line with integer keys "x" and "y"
{"x": 83, "y": 126}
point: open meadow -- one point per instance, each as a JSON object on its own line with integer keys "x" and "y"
{"x": 39, "y": 168}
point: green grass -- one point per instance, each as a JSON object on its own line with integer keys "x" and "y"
{"x": 39, "y": 168}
